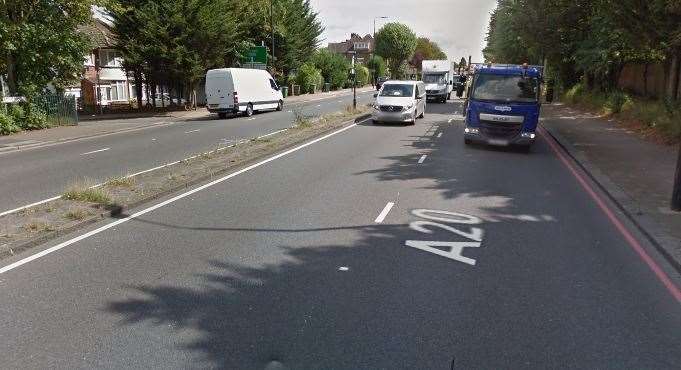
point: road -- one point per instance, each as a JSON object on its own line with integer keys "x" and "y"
{"x": 318, "y": 260}
{"x": 35, "y": 174}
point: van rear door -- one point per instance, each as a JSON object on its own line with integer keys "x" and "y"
{"x": 219, "y": 90}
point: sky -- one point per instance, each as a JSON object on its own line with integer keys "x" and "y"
{"x": 458, "y": 26}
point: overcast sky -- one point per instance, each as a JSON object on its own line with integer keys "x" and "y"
{"x": 458, "y": 26}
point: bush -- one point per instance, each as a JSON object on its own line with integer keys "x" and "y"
{"x": 34, "y": 119}
{"x": 309, "y": 75}
{"x": 362, "y": 75}
{"x": 17, "y": 112}
{"x": 616, "y": 101}
{"x": 7, "y": 124}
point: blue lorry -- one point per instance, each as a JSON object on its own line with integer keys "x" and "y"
{"x": 502, "y": 105}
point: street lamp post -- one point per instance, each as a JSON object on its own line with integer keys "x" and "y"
{"x": 373, "y": 48}
{"x": 272, "y": 29}
{"x": 676, "y": 194}
{"x": 354, "y": 81}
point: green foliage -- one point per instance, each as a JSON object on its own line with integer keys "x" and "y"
{"x": 34, "y": 119}
{"x": 362, "y": 75}
{"x": 396, "y": 43}
{"x": 7, "y": 124}
{"x": 377, "y": 66}
{"x": 426, "y": 50}
{"x": 309, "y": 75}
{"x": 333, "y": 67}
{"x": 41, "y": 44}
{"x": 16, "y": 111}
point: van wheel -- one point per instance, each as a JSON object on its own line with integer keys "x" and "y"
{"x": 280, "y": 105}
{"x": 249, "y": 110}
{"x": 222, "y": 115}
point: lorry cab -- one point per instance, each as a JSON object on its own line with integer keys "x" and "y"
{"x": 438, "y": 76}
{"x": 502, "y": 106}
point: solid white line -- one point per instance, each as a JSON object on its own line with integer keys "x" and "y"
{"x": 439, "y": 135}
{"x": 384, "y": 212}
{"x": 272, "y": 133}
{"x": 166, "y": 202}
{"x": 251, "y": 119}
{"x": 189, "y": 132}
{"x": 96, "y": 151}
{"x": 423, "y": 158}
{"x": 29, "y": 206}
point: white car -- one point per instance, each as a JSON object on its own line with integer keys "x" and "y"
{"x": 400, "y": 101}
{"x": 241, "y": 90}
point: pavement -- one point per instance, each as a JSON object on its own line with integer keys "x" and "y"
{"x": 637, "y": 173}
{"x": 47, "y": 161}
{"x": 375, "y": 247}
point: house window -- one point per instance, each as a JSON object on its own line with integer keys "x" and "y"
{"x": 118, "y": 91}
{"x": 89, "y": 61}
{"x": 110, "y": 58}
{"x": 361, "y": 46}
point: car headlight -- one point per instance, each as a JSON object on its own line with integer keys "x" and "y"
{"x": 408, "y": 107}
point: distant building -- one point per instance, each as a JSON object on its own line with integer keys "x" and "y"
{"x": 362, "y": 46}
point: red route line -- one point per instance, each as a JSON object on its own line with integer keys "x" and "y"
{"x": 633, "y": 243}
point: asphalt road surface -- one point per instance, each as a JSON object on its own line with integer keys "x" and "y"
{"x": 355, "y": 252}
{"x": 35, "y": 174}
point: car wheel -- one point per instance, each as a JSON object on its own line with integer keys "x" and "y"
{"x": 373, "y": 121}
{"x": 413, "y": 119}
{"x": 249, "y": 110}
{"x": 222, "y": 115}
{"x": 280, "y": 105}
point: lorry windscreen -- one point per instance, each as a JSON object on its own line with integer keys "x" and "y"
{"x": 508, "y": 88}
{"x": 397, "y": 90}
{"x": 434, "y": 79}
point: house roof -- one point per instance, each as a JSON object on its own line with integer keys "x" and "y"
{"x": 99, "y": 33}
{"x": 349, "y": 44}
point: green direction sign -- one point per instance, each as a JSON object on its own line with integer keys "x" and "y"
{"x": 257, "y": 54}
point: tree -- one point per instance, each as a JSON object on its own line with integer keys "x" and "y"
{"x": 396, "y": 43}
{"x": 462, "y": 64}
{"x": 41, "y": 44}
{"x": 361, "y": 75}
{"x": 309, "y": 75}
{"x": 333, "y": 67}
{"x": 376, "y": 66}
{"x": 426, "y": 50}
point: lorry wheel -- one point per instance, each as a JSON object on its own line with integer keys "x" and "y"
{"x": 280, "y": 105}
{"x": 222, "y": 115}
{"x": 249, "y": 110}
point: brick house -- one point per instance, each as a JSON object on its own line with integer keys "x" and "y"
{"x": 362, "y": 46}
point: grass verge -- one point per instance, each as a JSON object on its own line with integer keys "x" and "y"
{"x": 82, "y": 203}
{"x": 659, "y": 120}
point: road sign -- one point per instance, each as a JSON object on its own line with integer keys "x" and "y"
{"x": 256, "y": 54}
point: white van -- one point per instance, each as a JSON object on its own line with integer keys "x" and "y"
{"x": 241, "y": 90}
{"x": 438, "y": 76}
{"x": 400, "y": 101}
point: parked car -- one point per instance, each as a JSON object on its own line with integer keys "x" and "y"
{"x": 400, "y": 101}
{"x": 241, "y": 90}
{"x": 380, "y": 81}
{"x": 164, "y": 100}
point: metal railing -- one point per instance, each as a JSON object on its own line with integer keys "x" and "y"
{"x": 60, "y": 109}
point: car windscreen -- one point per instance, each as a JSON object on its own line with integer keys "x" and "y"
{"x": 434, "y": 79}
{"x": 397, "y": 90}
{"x": 509, "y": 88}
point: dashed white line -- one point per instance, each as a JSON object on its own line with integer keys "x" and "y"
{"x": 319, "y": 105}
{"x": 96, "y": 231}
{"x": 423, "y": 158}
{"x": 384, "y": 212}
{"x": 29, "y": 206}
{"x": 439, "y": 135}
{"x": 96, "y": 151}
{"x": 189, "y": 132}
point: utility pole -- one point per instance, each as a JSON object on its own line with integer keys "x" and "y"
{"x": 354, "y": 81}
{"x": 272, "y": 28}
{"x": 676, "y": 194}
{"x": 373, "y": 50}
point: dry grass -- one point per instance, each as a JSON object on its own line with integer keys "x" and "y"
{"x": 37, "y": 226}
{"x": 122, "y": 181}
{"x": 77, "y": 214}
{"x": 84, "y": 193}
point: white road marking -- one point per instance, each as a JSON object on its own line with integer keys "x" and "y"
{"x": 96, "y": 151}
{"x": 169, "y": 201}
{"x": 153, "y": 139}
{"x": 450, "y": 120}
{"x": 423, "y": 158}
{"x": 343, "y": 268}
{"x": 273, "y": 133}
{"x": 319, "y": 105}
{"x": 29, "y": 206}
{"x": 384, "y": 212}
{"x": 251, "y": 119}
{"x": 340, "y": 101}
{"x": 439, "y": 135}
{"x": 289, "y": 111}
{"x": 189, "y": 132}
